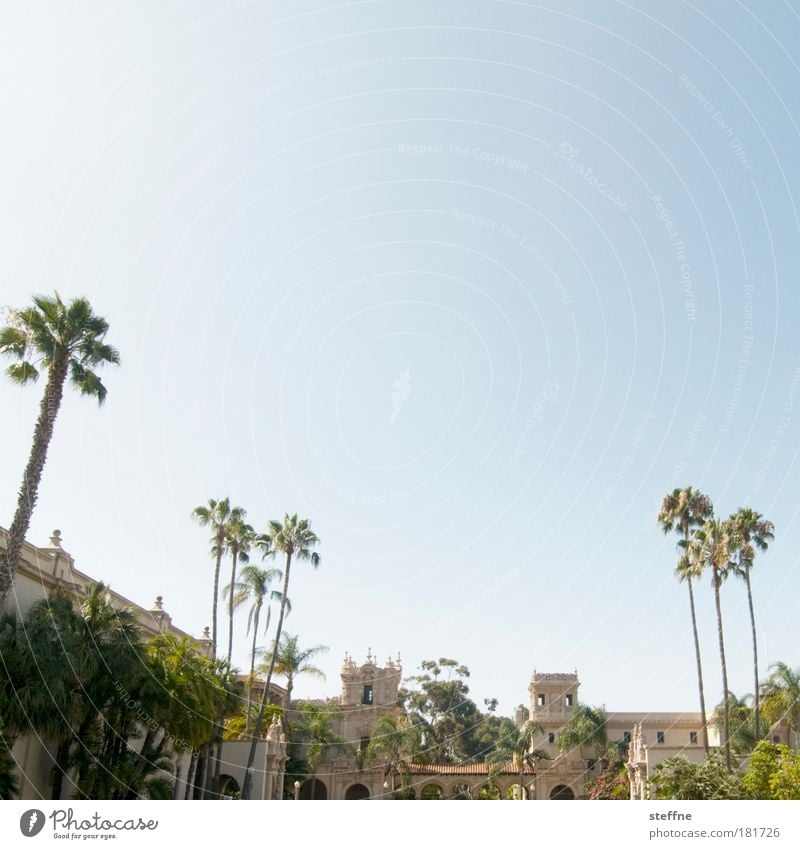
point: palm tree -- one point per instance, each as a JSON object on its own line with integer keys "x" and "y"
{"x": 586, "y": 728}
{"x": 294, "y": 538}
{"x": 755, "y": 532}
{"x": 681, "y": 510}
{"x": 742, "y": 722}
{"x": 293, "y": 661}
{"x": 712, "y": 546}
{"x": 239, "y": 538}
{"x": 9, "y": 785}
{"x": 315, "y": 727}
{"x": 215, "y": 516}
{"x": 395, "y": 741}
{"x": 516, "y": 747}
{"x": 781, "y": 696}
{"x": 67, "y": 341}
{"x": 254, "y": 584}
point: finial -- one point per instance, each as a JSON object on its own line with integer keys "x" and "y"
{"x": 206, "y": 633}
{"x": 158, "y": 604}
{"x": 55, "y": 539}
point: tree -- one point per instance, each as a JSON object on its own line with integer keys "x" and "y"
{"x": 586, "y": 729}
{"x": 680, "y": 779}
{"x": 239, "y": 537}
{"x": 741, "y": 720}
{"x": 253, "y": 584}
{"x": 396, "y": 742}
{"x": 216, "y": 516}
{"x": 712, "y": 546}
{"x": 516, "y": 747}
{"x": 315, "y": 728}
{"x": 754, "y": 532}
{"x": 293, "y": 661}
{"x": 773, "y": 772}
{"x": 68, "y": 341}
{"x": 681, "y": 510}
{"x": 781, "y": 697}
{"x": 294, "y": 538}
{"x": 9, "y": 785}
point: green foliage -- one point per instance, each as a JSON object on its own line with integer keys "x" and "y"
{"x": 678, "y": 778}
{"x": 9, "y": 785}
{"x": 741, "y": 723}
{"x": 586, "y": 729}
{"x": 773, "y": 772}
{"x": 612, "y": 783}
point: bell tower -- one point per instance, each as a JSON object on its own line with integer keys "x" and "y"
{"x": 554, "y": 696}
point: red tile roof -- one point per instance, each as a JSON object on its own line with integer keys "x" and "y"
{"x": 465, "y": 769}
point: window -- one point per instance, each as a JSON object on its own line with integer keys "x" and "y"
{"x": 568, "y": 698}
{"x": 776, "y": 739}
{"x": 540, "y": 700}
{"x": 590, "y": 764}
{"x": 693, "y": 737}
{"x": 660, "y": 737}
{"x": 626, "y": 737}
{"x": 366, "y": 699}
{"x": 551, "y": 737}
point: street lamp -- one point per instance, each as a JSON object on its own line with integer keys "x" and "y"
{"x": 296, "y": 790}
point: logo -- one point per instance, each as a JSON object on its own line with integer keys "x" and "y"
{"x": 31, "y": 822}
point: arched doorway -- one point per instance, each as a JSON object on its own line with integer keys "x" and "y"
{"x": 516, "y": 791}
{"x": 229, "y": 787}
{"x": 460, "y": 791}
{"x": 562, "y": 792}
{"x": 356, "y": 791}
{"x": 313, "y": 789}
{"x": 431, "y": 791}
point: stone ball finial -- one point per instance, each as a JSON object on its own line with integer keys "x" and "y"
{"x": 55, "y": 539}
{"x": 158, "y": 604}
{"x": 206, "y": 633}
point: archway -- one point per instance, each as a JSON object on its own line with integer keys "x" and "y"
{"x": 313, "y": 788}
{"x": 562, "y": 792}
{"x": 229, "y": 787}
{"x": 460, "y": 791}
{"x": 516, "y": 791}
{"x": 431, "y": 791}
{"x": 356, "y": 791}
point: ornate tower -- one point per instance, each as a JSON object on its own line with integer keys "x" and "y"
{"x": 369, "y": 684}
{"x": 554, "y": 695}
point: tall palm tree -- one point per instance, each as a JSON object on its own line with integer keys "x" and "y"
{"x": 239, "y": 538}
{"x": 712, "y": 546}
{"x": 253, "y": 584}
{"x": 68, "y": 341}
{"x": 681, "y": 511}
{"x": 215, "y": 516}
{"x": 781, "y": 696}
{"x": 294, "y": 538}
{"x": 755, "y": 532}
{"x": 516, "y": 747}
{"x": 293, "y": 661}
{"x": 396, "y": 741}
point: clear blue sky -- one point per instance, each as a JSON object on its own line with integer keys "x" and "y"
{"x": 565, "y": 239}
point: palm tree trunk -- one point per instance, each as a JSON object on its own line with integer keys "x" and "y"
{"x": 716, "y": 581}
{"x": 699, "y": 667}
{"x": 190, "y": 775}
{"x": 247, "y": 787}
{"x": 29, "y": 489}
{"x": 755, "y": 654}
{"x": 216, "y": 601}
{"x": 256, "y": 618}
{"x": 235, "y": 552}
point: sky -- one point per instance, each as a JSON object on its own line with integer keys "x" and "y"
{"x": 469, "y": 285}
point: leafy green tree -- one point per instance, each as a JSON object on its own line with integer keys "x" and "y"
{"x": 742, "y": 723}
{"x": 678, "y": 778}
{"x": 216, "y": 516}
{"x": 754, "y": 532}
{"x": 293, "y": 661}
{"x": 681, "y": 511}
{"x": 712, "y": 546}
{"x": 773, "y": 772}
{"x": 294, "y": 538}
{"x": 515, "y": 747}
{"x": 68, "y": 341}
{"x": 612, "y": 783}
{"x": 396, "y": 742}
{"x": 587, "y": 729}
{"x": 781, "y": 697}
{"x": 9, "y": 785}
{"x": 314, "y": 728}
